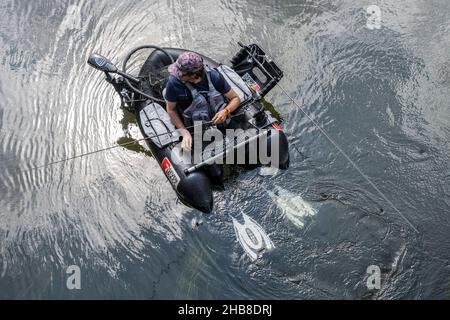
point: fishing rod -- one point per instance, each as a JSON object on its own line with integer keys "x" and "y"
{"x": 330, "y": 140}
{"x": 203, "y": 124}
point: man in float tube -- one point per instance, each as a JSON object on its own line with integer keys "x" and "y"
{"x": 198, "y": 93}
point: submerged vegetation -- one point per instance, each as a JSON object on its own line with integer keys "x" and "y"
{"x": 131, "y": 134}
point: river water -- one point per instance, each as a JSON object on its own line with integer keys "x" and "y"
{"x": 379, "y": 86}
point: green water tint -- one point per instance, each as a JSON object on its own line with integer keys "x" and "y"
{"x": 188, "y": 286}
{"x": 269, "y": 107}
{"x": 136, "y": 146}
{"x": 128, "y": 119}
{"x": 129, "y": 127}
{"x": 230, "y": 172}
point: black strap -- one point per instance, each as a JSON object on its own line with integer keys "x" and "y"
{"x": 191, "y": 88}
{"x": 220, "y": 84}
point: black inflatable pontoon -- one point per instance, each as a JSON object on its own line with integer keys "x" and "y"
{"x": 192, "y": 178}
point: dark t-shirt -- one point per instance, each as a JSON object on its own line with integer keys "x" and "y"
{"x": 177, "y": 92}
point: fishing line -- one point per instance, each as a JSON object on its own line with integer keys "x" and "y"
{"x": 350, "y": 160}
{"x": 339, "y": 149}
{"x": 294, "y": 102}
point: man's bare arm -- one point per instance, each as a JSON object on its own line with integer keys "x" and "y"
{"x": 171, "y": 108}
{"x": 233, "y": 100}
{"x": 233, "y": 103}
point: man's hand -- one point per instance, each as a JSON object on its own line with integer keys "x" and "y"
{"x": 233, "y": 104}
{"x": 221, "y": 116}
{"x": 186, "y": 144}
{"x": 171, "y": 108}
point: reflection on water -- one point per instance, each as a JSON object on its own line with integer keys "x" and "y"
{"x": 131, "y": 137}
{"x": 293, "y": 206}
{"x": 381, "y": 93}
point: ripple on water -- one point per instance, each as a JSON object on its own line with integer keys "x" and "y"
{"x": 380, "y": 93}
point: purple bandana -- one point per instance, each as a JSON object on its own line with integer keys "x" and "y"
{"x": 187, "y": 63}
